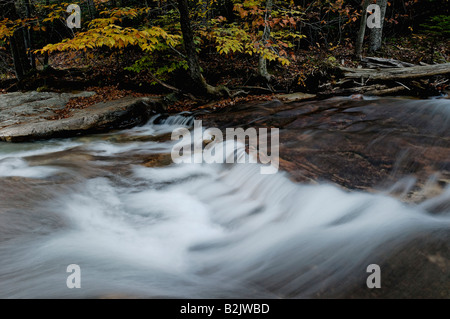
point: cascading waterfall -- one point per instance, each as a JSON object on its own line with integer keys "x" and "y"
{"x": 186, "y": 230}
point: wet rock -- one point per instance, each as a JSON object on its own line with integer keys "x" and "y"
{"x": 366, "y": 144}
{"x": 158, "y": 160}
{"x": 419, "y": 270}
{"x": 21, "y": 107}
{"x": 24, "y": 116}
{"x": 295, "y": 97}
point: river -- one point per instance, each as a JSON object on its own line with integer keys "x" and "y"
{"x": 360, "y": 181}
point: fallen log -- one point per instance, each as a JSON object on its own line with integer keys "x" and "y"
{"x": 359, "y": 89}
{"x": 416, "y": 81}
{"x": 373, "y": 63}
{"x": 388, "y": 91}
{"x": 393, "y": 74}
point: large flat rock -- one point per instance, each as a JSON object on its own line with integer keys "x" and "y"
{"x": 18, "y": 107}
{"x": 358, "y": 144}
{"x": 26, "y": 116}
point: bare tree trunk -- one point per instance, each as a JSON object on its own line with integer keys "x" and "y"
{"x": 199, "y": 83}
{"x": 377, "y": 33}
{"x": 362, "y": 29}
{"x": 21, "y": 63}
{"x": 29, "y": 36}
{"x": 91, "y": 8}
{"x": 46, "y": 56}
{"x": 17, "y": 42}
{"x": 205, "y": 8}
{"x": 262, "y": 65}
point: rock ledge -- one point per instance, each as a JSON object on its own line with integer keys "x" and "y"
{"x": 24, "y": 116}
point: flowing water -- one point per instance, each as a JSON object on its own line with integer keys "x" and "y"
{"x": 140, "y": 226}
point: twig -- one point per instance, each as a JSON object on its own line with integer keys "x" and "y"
{"x": 168, "y": 86}
{"x": 181, "y": 54}
{"x": 403, "y": 85}
{"x": 253, "y": 88}
{"x": 239, "y": 93}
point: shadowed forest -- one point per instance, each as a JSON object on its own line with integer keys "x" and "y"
{"x": 219, "y": 49}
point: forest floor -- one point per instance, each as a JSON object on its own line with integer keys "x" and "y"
{"x": 104, "y": 73}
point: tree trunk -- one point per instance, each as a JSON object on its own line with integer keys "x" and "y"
{"x": 46, "y": 56}
{"x": 91, "y": 8}
{"x": 29, "y": 36}
{"x": 362, "y": 29}
{"x": 199, "y": 83}
{"x": 204, "y": 9}
{"x": 21, "y": 63}
{"x": 262, "y": 65}
{"x": 377, "y": 33}
{"x": 17, "y": 42}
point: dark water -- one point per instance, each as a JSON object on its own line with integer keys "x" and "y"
{"x": 140, "y": 226}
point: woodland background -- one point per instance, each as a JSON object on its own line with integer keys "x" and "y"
{"x": 221, "y": 48}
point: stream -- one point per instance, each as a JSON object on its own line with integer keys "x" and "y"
{"x": 360, "y": 183}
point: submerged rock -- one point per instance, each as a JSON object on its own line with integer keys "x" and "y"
{"x": 25, "y": 116}
{"x": 370, "y": 144}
